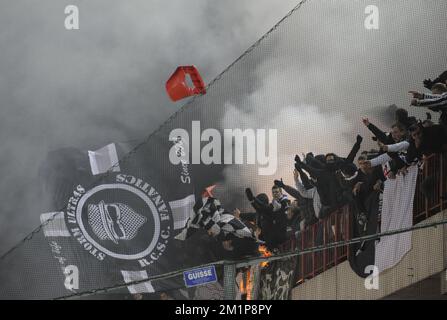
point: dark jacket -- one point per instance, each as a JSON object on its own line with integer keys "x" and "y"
{"x": 369, "y": 180}
{"x": 396, "y": 163}
{"x": 434, "y": 140}
{"x": 367, "y": 187}
{"x": 305, "y": 206}
{"x": 328, "y": 186}
{"x": 273, "y": 222}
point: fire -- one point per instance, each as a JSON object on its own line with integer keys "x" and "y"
{"x": 246, "y": 280}
{"x": 246, "y": 284}
{"x": 265, "y": 253}
{"x": 249, "y": 285}
{"x": 241, "y": 286}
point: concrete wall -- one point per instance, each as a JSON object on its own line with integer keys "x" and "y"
{"x": 427, "y": 257}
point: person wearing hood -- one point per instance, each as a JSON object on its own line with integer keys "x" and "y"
{"x": 271, "y": 217}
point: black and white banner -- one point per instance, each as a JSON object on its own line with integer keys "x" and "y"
{"x": 276, "y": 279}
{"x": 124, "y": 221}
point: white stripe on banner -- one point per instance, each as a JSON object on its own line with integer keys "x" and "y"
{"x": 182, "y": 211}
{"x": 130, "y": 276}
{"x": 397, "y": 213}
{"x": 103, "y": 159}
{"x": 56, "y": 227}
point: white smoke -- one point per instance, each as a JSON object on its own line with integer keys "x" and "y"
{"x": 321, "y": 71}
{"x": 104, "y": 82}
{"x": 301, "y": 128}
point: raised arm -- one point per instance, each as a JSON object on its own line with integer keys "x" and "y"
{"x": 355, "y": 148}
{"x": 316, "y": 173}
{"x": 434, "y": 103}
{"x": 298, "y": 172}
{"x": 290, "y": 190}
{"x": 309, "y": 194}
{"x": 381, "y": 136}
{"x": 255, "y": 202}
{"x": 377, "y": 161}
{"x": 314, "y": 162}
{"x": 397, "y": 147}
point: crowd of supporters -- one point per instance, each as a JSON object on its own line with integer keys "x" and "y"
{"x": 325, "y": 183}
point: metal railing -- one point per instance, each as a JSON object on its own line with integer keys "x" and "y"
{"x": 334, "y": 228}
{"x": 431, "y": 189}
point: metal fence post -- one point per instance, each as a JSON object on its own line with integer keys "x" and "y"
{"x": 444, "y": 247}
{"x": 229, "y": 281}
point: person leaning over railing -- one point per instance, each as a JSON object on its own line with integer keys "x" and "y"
{"x": 423, "y": 141}
{"x": 307, "y": 193}
{"x": 329, "y": 191}
{"x": 301, "y": 212}
{"x": 362, "y": 182}
{"x": 398, "y": 134}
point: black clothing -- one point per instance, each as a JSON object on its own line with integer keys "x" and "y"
{"x": 380, "y": 135}
{"x": 433, "y": 140}
{"x": 328, "y": 186}
{"x": 428, "y": 83}
{"x": 396, "y": 163}
{"x": 304, "y": 179}
{"x": 305, "y": 205}
{"x": 408, "y": 122}
{"x": 367, "y": 187}
{"x": 273, "y": 222}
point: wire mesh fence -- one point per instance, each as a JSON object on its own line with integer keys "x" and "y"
{"x": 295, "y": 79}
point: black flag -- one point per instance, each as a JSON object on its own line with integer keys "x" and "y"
{"x": 110, "y": 223}
{"x": 362, "y": 254}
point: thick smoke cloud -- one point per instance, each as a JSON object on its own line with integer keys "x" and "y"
{"x": 104, "y": 82}
{"x": 305, "y": 120}
{"x": 325, "y": 71}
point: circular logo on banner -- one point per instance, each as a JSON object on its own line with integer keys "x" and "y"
{"x": 126, "y": 220}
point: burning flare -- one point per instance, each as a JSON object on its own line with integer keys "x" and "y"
{"x": 265, "y": 253}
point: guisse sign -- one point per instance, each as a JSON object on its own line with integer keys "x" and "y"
{"x": 200, "y": 276}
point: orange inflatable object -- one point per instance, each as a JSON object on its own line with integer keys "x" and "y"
{"x": 177, "y": 88}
